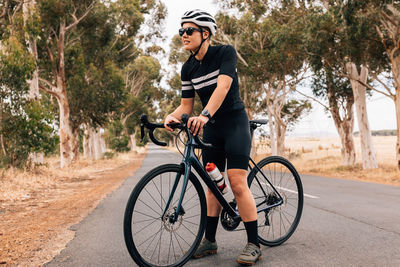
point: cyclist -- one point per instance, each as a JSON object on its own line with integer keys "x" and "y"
{"x": 211, "y": 72}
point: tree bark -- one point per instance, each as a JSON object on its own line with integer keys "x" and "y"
{"x": 345, "y": 123}
{"x": 66, "y": 136}
{"x": 397, "y": 104}
{"x": 132, "y": 140}
{"x": 396, "y": 98}
{"x": 367, "y": 149}
{"x": 93, "y": 143}
{"x": 28, "y": 9}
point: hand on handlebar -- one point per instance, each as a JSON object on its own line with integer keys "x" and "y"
{"x": 170, "y": 120}
{"x": 196, "y": 124}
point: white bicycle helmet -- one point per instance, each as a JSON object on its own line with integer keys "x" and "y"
{"x": 200, "y": 18}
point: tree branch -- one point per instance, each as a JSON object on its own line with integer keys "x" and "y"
{"x": 313, "y": 98}
{"x": 76, "y": 20}
{"x": 5, "y": 9}
{"x": 47, "y": 90}
{"x": 366, "y": 85}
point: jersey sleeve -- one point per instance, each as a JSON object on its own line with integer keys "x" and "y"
{"x": 228, "y": 62}
{"x": 187, "y": 86}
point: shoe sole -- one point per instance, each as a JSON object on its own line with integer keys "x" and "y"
{"x": 248, "y": 263}
{"x": 205, "y": 253}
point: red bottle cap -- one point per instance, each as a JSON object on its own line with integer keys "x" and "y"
{"x": 210, "y": 167}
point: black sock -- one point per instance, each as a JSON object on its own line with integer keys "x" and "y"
{"x": 252, "y": 232}
{"x": 211, "y": 228}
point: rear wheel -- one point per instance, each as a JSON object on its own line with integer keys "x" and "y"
{"x": 277, "y": 224}
{"x": 157, "y": 239}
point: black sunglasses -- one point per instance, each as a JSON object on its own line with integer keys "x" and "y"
{"x": 189, "y": 31}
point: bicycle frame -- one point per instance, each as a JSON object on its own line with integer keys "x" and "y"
{"x": 190, "y": 159}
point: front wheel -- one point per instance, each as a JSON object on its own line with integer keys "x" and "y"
{"x": 157, "y": 238}
{"x": 277, "y": 185}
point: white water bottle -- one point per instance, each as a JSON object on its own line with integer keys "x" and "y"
{"x": 217, "y": 177}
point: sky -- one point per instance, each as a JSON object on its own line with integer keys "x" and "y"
{"x": 380, "y": 109}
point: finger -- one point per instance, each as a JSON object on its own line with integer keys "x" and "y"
{"x": 198, "y": 128}
{"x": 192, "y": 127}
{"x": 190, "y": 122}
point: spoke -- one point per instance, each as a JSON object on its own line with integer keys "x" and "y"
{"x": 148, "y": 206}
{"x": 144, "y": 228}
{"x": 179, "y": 243}
{"x": 192, "y": 216}
{"x": 155, "y": 218}
{"x": 182, "y": 238}
{"x": 192, "y": 222}
{"x": 188, "y": 229}
{"x": 159, "y": 248}
{"x": 195, "y": 205}
{"x": 143, "y": 221}
{"x": 155, "y": 201}
{"x": 154, "y": 236}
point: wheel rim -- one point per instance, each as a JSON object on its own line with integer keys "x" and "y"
{"x": 278, "y": 223}
{"x": 161, "y": 240}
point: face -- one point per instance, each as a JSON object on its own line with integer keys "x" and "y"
{"x": 193, "y": 41}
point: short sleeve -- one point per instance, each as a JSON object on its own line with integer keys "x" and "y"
{"x": 228, "y": 62}
{"x": 187, "y": 86}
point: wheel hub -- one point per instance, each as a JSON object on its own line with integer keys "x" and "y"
{"x": 170, "y": 223}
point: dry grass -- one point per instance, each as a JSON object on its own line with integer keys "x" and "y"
{"x": 16, "y": 184}
{"x": 37, "y": 207}
{"x": 322, "y": 157}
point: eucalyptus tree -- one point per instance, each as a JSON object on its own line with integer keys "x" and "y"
{"x": 386, "y": 17}
{"x": 83, "y": 48}
{"x": 271, "y": 58}
{"x": 25, "y": 126}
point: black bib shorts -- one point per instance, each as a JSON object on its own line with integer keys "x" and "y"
{"x": 231, "y": 131}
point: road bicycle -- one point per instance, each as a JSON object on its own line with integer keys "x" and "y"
{"x": 166, "y": 212}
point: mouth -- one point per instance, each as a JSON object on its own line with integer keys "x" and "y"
{"x": 186, "y": 42}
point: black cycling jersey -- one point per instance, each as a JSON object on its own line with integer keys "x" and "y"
{"x": 201, "y": 77}
{"x": 230, "y": 130}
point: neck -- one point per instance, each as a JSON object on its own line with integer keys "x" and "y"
{"x": 203, "y": 50}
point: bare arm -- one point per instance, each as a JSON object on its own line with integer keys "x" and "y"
{"x": 223, "y": 84}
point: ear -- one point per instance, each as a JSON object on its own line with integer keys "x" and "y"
{"x": 206, "y": 34}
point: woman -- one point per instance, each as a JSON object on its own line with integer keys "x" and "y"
{"x": 211, "y": 72}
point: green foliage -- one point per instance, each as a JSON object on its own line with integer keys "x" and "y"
{"x": 28, "y": 129}
{"x": 115, "y": 137}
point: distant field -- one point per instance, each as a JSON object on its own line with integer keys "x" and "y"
{"x": 322, "y": 156}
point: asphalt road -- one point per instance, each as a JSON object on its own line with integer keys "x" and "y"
{"x": 344, "y": 223}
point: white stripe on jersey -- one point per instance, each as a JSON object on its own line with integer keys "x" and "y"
{"x": 205, "y": 77}
{"x": 210, "y": 82}
{"x": 190, "y": 87}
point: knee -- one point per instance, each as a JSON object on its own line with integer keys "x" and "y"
{"x": 239, "y": 188}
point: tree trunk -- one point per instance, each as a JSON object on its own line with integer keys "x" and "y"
{"x": 271, "y": 125}
{"x": 28, "y": 8}
{"x": 395, "y": 60}
{"x": 367, "y": 149}
{"x": 132, "y": 140}
{"x": 345, "y": 123}
{"x": 280, "y": 139}
{"x": 85, "y": 142}
{"x": 397, "y": 104}
{"x": 93, "y": 143}
{"x": 345, "y": 130}
{"x": 67, "y": 141}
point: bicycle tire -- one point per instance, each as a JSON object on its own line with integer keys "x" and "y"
{"x": 140, "y": 215}
{"x": 277, "y": 224}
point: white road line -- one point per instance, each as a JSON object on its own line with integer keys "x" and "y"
{"x": 291, "y": 191}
